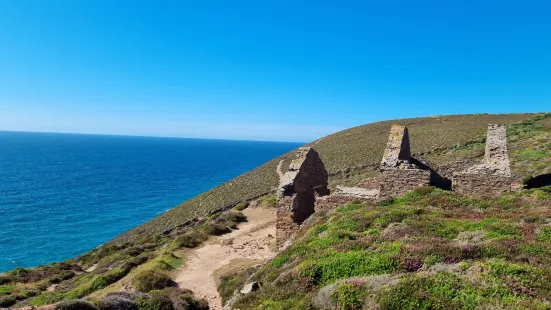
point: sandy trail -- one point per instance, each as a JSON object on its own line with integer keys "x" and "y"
{"x": 278, "y": 170}
{"x": 254, "y": 240}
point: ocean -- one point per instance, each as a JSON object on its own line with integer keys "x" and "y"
{"x": 62, "y": 195}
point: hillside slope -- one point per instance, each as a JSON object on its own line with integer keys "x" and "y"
{"x": 363, "y": 145}
{"x": 156, "y": 251}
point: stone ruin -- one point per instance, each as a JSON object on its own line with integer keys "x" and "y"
{"x": 305, "y": 178}
{"x": 493, "y": 176}
{"x": 399, "y": 173}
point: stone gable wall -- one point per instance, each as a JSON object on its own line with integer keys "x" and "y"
{"x": 397, "y": 148}
{"x": 395, "y": 182}
{"x": 305, "y": 178}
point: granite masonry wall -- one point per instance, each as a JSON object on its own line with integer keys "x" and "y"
{"x": 395, "y": 182}
{"x": 478, "y": 184}
{"x": 493, "y": 176}
{"x": 298, "y": 188}
{"x": 398, "y": 172}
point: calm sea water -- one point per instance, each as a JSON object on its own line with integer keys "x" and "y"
{"x": 62, "y": 195}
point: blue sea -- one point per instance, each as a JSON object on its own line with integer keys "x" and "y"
{"x": 63, "y": 194}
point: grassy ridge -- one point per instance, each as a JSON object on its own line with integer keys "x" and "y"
{"x": 356, "y": 146}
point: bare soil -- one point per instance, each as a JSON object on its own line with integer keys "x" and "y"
{"x": 251, "y": 243}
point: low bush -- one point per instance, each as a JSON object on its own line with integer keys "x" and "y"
{"x": 241, "y": 206}
{"x": 217, "y": 229}
{"x": 75, "y": 305}
{"x": 230, "y": 283}
{"x": 269, "y": 201}
{"x": 350, "y": 296}
{"x": 151, "y": 280}
{"x": 7, "y": 300}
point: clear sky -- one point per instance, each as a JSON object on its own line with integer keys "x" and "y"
{"x": 265, "y": 70}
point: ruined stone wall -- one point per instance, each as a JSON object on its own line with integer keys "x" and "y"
{"x": 395, "y": 182}
{"x": 397, "y": 148}
{"x": 305, "y": 178}
{"x": 286, "y": 227}
{"x": 496, "y": 154}
{"x": 493, "y": 176}
{"x": 328, "y": 203}
{"x": 479, "y": 184}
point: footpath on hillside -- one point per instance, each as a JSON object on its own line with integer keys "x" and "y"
{"x": 252, "y": 243}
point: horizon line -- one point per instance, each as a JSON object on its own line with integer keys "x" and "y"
{"x": 147, "y": 136}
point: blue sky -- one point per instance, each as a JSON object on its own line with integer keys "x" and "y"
{"x": 265, "y": 70}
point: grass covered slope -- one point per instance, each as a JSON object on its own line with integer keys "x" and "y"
{"x": 161, "y": 245}
{"x": 428, "y": 249}
{"x": 363, "y": 145}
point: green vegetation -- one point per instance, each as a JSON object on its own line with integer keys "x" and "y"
{"x": 230, "y": 283}
{"x": 151, "y": 280}
{"x": 350, "y": 296}
{"x": 437, "y": 250}
{"x": 466, "y": 247}
{"x": 363, "y": 145}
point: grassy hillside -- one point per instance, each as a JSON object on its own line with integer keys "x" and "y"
{"x": 363, "y": 145}
{"x": 428, "y": 249}
{"x": 154, "y": 250}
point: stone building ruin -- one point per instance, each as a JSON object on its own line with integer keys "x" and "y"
{"x": 304, "y": 190}
{"x": 493, "y": 176}
{"x": 399, "y": 173}
{"x": 305, "y": 178}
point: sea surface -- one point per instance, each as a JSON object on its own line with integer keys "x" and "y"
{"x": 62, "y": 195}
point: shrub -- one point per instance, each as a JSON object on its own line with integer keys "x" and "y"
{"x": 151, "y": 280}
{"x": 8, "y": 300}
{"x": 269, "y": 201}
{"x": 217, "y": 229}
{"x": 160, "y": 300}
{"x": 228, "y": 284}
{"x": 75, "y": 305}
{"x": 443, "y": 291}
{"x": 349, "y": 296}
{"x": 190, "y": 240}
{"x": 545, "y": 235}
{"x": 163, "y": 266}
{"x": 47, "y": 298}
{"x": 340, "y": 265}
{"x": 241, "y": 206}
{"x": 425, "y": 190}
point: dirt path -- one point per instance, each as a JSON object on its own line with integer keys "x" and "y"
{"x": 278, "y": 170}
{"x": 254, "y": 240}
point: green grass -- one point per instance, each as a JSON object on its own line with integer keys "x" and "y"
{"x": 533, "y": 154}
{"x": 350, "y": 296}
{"x": 353, "y": 243}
